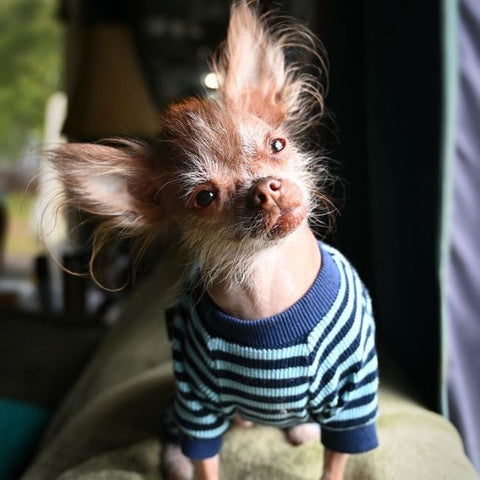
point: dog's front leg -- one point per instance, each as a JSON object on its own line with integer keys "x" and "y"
{"x": 207, "y": 468}
{"x": 334, "y": 465}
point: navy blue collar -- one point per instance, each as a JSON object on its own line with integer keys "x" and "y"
{"x": 283, "y": 329}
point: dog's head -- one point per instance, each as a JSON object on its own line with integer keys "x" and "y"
{"x": 227, "y": 170}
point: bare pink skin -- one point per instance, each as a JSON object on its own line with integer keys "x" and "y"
{"x": 283, "y": 274}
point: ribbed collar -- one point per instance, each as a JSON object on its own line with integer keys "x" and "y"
{"x": 283, "y": 329}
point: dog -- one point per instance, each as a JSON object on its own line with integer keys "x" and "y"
{"x": 271, "y": 325}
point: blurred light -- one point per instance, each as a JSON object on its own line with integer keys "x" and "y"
{"x": 211, "y": 81}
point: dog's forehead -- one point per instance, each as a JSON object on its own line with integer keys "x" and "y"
{"x": 228, "y": 135}
{"x": 211, "y": 141}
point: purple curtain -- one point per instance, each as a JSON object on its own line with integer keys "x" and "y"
{"x": 463, "y": 284}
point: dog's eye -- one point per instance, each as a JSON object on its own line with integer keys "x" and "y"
{"x": 204, "y": 198}
{"x": 277, "y": 144}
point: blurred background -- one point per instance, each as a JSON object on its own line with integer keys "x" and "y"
{"x": 80, "y": 70}
{"x": 31, "y": 73}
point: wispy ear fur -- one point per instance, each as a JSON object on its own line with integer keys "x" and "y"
{"x": 113, "y": 179}
{"x": 117, "y": 182}
{"x": 256, "y": 76}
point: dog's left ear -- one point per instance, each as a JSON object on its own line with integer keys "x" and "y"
{"x": 113, "y": 180}
{"x": 253, "y": 71}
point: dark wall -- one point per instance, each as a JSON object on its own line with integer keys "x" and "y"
{"x": 385, "y": 93}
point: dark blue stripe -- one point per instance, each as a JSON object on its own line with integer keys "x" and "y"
{"x": 198, "y": 427}
{"x": 299, "y": 361}
{"x": 283, "y": 421}
{"x": 330, "y": 373}
{"x": 261, "y": 398}
{"x": 197, "y": 368}
{"x": 277, "y": 383}
{"x": 348, "y": 324}
{"x": 353, "y": 422}
{"x": 341, "y": 404}
{"x": 192, "y": 369}
{"x": 368, "y": 379}
{"x": 348, "y": 386}
{"x": 360, "y": 402}
{"x": 243, "y": 403}
{"x": 197, "y": 343}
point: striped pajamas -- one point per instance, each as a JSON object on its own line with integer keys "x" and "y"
{"x": 315, "y": 361}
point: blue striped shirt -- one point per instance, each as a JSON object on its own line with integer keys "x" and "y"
{"x": 314, "y": 361}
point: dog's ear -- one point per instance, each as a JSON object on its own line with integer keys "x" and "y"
{"x": 114, "y": 180}
{"x": 253, "y": 70}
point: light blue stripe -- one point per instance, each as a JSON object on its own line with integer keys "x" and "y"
{"x": 280, "y": 421}
{"x": 178, "y": 367}
{"x": 241, "y": 401}
{"x": 176, "y": 345}
{"x": 192, "y": 357}
{"x": 204, "y": 435}
{"x": 348, "y": 282}
{"x": 267, "y": 392}
{"x": 207, "y": 434}
{"x": 218, "y": 344}
{"x": 367, "y": 369}
{"x": 317, "y": 332}
{"x": 362, "y": 391}
{"x": 283, "y": 374}
{"x": 339, "y": 350}
{"x": 195, "y": 330}
{"x": 194, "y": 406}
{"x": 202, "y": 421}
{"x": 369, "y": 346}
{"x": 254, "y": 353}
{"x": 345, "y": 415}
{"x": 196, "y": 381}
{"x": 276, "y": 417}
{"x": 267, "y": 373}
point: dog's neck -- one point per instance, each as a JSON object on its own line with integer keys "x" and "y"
{"x": 281, "y": 276}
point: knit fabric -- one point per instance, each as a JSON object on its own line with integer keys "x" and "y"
{"x": 315, "y": 361}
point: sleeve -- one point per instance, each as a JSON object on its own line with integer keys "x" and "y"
{"x": 200, "y": 421}
{"x": 201, "y": 429}
{"x": 348, "y": 410}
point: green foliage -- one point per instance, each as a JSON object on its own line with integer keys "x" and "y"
{"x": 30, "y": 59}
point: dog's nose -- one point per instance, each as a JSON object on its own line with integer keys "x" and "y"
{"x": 266, "y": 192}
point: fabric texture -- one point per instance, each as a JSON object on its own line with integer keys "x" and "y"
{"x": 463, "y": 281}
{"x": 316, "y": 361}
{"x": 110, "y": 425}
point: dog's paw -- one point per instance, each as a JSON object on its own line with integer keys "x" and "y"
{"x": 240, "y": 422}
{"x": 175, "y": 465}
{"x": 303, "y": 433}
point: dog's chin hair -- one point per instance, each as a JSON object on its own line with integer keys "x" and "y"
{"x": 229, "y": 262}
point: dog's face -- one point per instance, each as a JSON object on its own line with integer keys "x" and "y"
{"x": 233, "y": 178}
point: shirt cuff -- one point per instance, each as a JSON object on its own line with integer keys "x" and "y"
{"x": 355, "y": 440}
{"x": 200, "y": 448}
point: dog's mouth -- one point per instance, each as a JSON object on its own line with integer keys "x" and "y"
{"x": 282, "y": 223}
{"x": 270, "y": 210}
{"x": 275, "y": 224}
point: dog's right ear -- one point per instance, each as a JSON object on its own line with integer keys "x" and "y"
{"x": 114, "y": 180}
{"x": 261, "y": 68}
